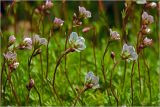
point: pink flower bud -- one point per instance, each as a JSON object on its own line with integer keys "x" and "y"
{"x": 31, "y": 84}
{"x": 151, "y": 5}
{"x": 146, "y": 30}
{"x": 49, "y": 4}
{"x": 147, "y": 42}
{"x": 112, "y": 55}
{"x": 12, "y": 39}
{"x": 86, "y": 29}
{"x": 58, "y": 22}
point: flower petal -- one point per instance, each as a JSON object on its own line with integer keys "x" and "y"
{"x": 73, "y": 38}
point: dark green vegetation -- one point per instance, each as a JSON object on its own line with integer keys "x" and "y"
{"x": 120, "y": 82}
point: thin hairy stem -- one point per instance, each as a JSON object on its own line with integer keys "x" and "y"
{"x": 27, "y": 98}
{"x": 149, "y": 79}
{"x": 12, "y": 87}
{"x": 139, "y": 73}
{"x": 132, "y": 73}
{"x": 39, "y": 96}
{"x": 124, "y": 76}
{"x": 103, "y": 68}
{"x": 78, "y": 96}
{"x": 102, "y": 61}
{"x": 29, "y": 63}
{"x": 112, "y": 90}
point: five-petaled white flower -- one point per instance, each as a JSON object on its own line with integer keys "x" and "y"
{"x": 77, "y": 42}
{"x": 114, "y": 35}
{"x": 58, "y": 22}
{"x": 128, "y": 52}
{"x": 146, "y": 18}
{"x": 37, "y": 41}
{"x": 84, "y": 13}
{"x": 91, "y": 81}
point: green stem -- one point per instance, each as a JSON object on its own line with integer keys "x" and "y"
{"x": 149, "y": 80}
{"x": 55, "y": 70}
{"x": 13, "y": 90}
{"x": 139, "y": 73}
{"x": 124, "y": 76}
{"x": 80, "y": 93}
{"x": 102, "y": 61}
{"x": 132, "y": 73}
{"x": 116, "y": 98}
{"x": 102, "y": 65}
{"x": 29, "y": 62}
{"x": 38, "y": 95}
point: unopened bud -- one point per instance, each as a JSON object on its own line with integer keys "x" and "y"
{"x": 141, "y": 47}
{"x": 86, "y": 29}
{"x": 12, "y": 39}
{"x": 30, "y": 85}
{"x": 146, "y": 31}
{"x": 112, "y": 55}
{"x": 151, "y": 5}
{"x": 13, "y": 66}
{"x": 36, "y": 10}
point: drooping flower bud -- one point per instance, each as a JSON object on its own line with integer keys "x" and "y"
{"x": 151, "y": 5}
{"x": 112, "y": 55}
{"x": 13, "y": 66}
{"x": 86, "y": 29}
{"x": 30, "y": 85}
{"x": 146, "y": 30}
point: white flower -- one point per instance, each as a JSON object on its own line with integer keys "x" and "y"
{"x": 37, "y": 41}
{"x": 84, "y": 13}
{"x": 58, "y": 22}
{"x": 12, "y": 39}
{"x": 77, "y": 43}
{"x": 128, "y": 52}
{"x": 114, "y": 35}
{"x": 91, "y": 80}
{"x": 146, "y": 18}
{"x": 147, "y": 42}
{"x": 10, "y": 56}
{"x": 141, "y": 1}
